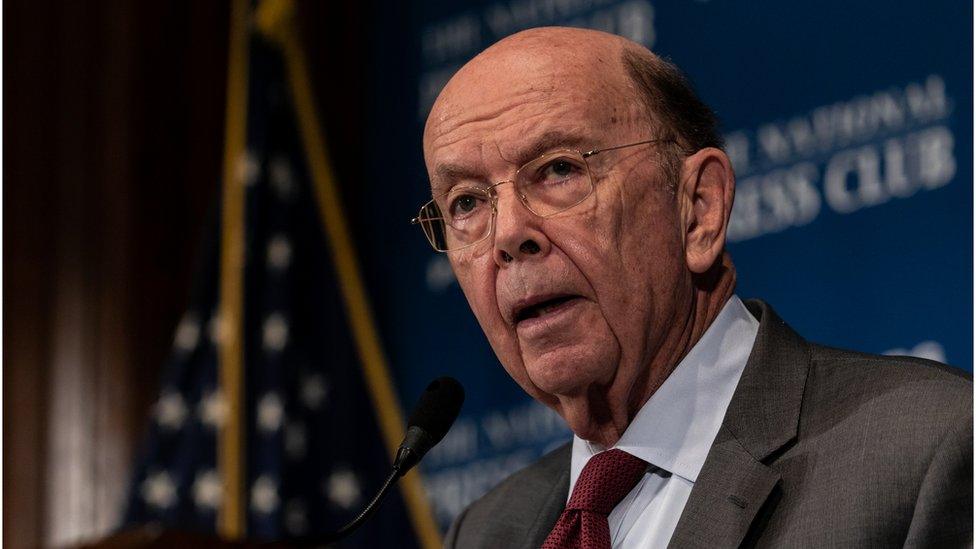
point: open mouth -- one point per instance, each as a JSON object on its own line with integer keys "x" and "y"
{"x": 543, "y": 308}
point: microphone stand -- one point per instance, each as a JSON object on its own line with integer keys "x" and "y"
{"x": 364, "y": 514}
{"x": 431, "y": 419}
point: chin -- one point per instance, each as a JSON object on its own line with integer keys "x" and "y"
{"x": 570, "y": 371}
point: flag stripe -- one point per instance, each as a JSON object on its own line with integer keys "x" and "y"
{"x": 231, "y": 517}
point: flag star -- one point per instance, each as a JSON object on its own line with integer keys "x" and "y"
{"x": 170, "y": 410}
{"x": 187, "y": 333}
{"x": 264, "y": 495}
{"x": 271, "y": 412}
{"x": 342, "y": 488}
{"x": 296, "y": 518}
{"x": 279, "y": 252}
{"x": 248, "y": 168}
{"x": 313, "y": 391}
{"x": 274, "y": 334}
{"x": 213, "y": 409}
{"x": 295, "y": 441}
{"x": 207, "y": 490}
{"x": 281, "y": 177}
{"x": 159, "y": 491}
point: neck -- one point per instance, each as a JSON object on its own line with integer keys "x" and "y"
{"x": 709, "y": 294}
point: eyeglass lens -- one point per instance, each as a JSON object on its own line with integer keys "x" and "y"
{"x": 547, "y": 185}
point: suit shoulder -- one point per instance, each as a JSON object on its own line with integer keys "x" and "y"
{"x": 887, "y": 391}
{"x": 888, "y": 370}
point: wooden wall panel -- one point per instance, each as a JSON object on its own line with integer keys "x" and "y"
{"x": 113, "y": 129}
{"x": 28, "y": 124}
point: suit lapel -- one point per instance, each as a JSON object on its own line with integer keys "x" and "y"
{"x": 731, "y": 488}
{"x": 549, "y": 510}
{"x": 762, "y": 418}
{"x": 523, "y": 509}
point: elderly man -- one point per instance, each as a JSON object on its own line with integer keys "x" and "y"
{"x": 582, "y": 196}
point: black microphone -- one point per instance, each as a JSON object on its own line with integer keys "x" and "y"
{"x": 432, "y": 417}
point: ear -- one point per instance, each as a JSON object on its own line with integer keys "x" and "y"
{"x": 707, "y": 190}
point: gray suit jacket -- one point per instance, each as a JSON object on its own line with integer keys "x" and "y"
{"x": 819, "y": 448}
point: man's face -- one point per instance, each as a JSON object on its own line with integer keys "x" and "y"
{"x": 574, "y": 305}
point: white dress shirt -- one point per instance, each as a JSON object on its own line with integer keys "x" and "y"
{"x": 674, "y": 430}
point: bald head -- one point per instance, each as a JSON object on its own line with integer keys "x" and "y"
{"x": 666, "y": 104}
{"x": 553, "y": 57}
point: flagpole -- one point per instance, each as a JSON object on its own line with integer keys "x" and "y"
{"x": 230, "y": 446}
{"x": 275, "y": 19}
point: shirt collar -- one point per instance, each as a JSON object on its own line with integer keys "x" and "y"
{"x": 676, "y": 427}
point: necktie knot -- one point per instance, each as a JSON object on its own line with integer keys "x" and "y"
{"x": 605, "y": 480}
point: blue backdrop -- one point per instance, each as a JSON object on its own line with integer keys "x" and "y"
{"x": 850, "y": 127}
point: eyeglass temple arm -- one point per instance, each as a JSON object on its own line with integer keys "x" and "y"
{"x": 588, "y": 154}
{"x": 418, "y": 221}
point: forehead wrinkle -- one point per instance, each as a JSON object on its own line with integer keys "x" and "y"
{"x": 464, "y": 145}
{"x": 567, "y": 117}
{"x": 550, "y": 140}
{"x": 457, "y": 114}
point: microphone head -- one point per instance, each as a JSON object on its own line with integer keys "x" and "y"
{"x": 438, "y": 407}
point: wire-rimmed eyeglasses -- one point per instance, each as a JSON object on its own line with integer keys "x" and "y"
{"x": 551, "y": 184}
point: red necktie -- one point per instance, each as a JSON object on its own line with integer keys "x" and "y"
{"x": 605, "y": 480}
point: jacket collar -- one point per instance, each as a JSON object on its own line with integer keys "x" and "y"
{"x": 765, "y": 408}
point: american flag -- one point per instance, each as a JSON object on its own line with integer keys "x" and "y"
{"x": 313, "y": 451}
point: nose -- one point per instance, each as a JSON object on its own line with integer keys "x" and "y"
{"x": 518, "y": 231}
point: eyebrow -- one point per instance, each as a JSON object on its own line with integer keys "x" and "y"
{"x": 549, "y": 141}
{"x": 446, "y": 174}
